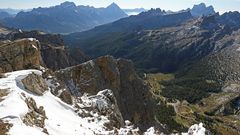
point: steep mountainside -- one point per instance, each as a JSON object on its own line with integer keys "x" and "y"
{"x": 65, "y": 18}
{"x": 165, "y": 49}
{"x": 4, "y": 15}
{"x": 152, "y": 19}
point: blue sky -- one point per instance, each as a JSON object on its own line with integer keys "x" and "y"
{"x": 220, "y": 5}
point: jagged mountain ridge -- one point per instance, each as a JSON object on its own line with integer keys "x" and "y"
{"x": 65, "y": 18}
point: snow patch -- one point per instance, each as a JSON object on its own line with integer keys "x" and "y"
{"x": 238, "y": 49}
{"x": 150, "y": 131}
{"x": 34, "y": 47}
{"x": 196, "y": 129}
{"x": 31, "y": 39}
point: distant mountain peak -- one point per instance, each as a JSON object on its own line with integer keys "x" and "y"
{"x": 202, "y": 10}
{"x": 203, "y": 5}
{"x": 67, "y": 4}
{"x": 113, "y": 6}
{"x": 154, "y": 12}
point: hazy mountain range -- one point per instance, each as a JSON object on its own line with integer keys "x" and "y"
{"x": 69, "y": 18}
{"x": 65, "y": 18}
{"x": 11, "y": 11}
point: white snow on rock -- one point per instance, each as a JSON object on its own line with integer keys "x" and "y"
{"x": 62, "y": 120}
{"x": 196, "y": 129}
{"x": 31, "y": 39}
{"x": 34, "y": 47}
{"x": 238, "y": 49}
{"x": 150, "y": 131}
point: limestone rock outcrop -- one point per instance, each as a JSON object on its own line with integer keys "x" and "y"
{"x": 132, "y": 95}
{"x": 35, "y": 84}
{"x": 54, "y": 53}
{"x": 36, "y": 115}
{"x": 20, "y": 54}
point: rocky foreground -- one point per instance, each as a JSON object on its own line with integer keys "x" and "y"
{"x": 102, "y": 96}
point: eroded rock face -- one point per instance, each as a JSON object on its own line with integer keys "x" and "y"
{"x": 91, "y": 77}
{"x": 20, "y": 54}
{"x": 53, "y": 51}
{"x": 35, "y": 84}
{"x": 36, "y": 115}
{"x": 135, "y": 98}
{"x": 132, "y": 95}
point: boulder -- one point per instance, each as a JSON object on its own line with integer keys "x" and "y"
{"x": 65, "y": 96}
{"x": 35, "y": 84}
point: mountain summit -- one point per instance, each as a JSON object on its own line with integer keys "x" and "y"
{"x": 113, "y": 6}
{"x": 68, "y": 4}
{"x": 202, "y": 10}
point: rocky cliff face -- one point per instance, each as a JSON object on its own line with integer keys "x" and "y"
{"x": 53, "y": 51}
{"x": 20, "y": 54}
{"x": 132, "y": 95}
